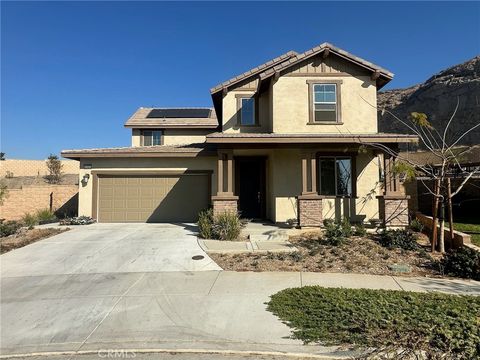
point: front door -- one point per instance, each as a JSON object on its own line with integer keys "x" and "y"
{"x": 250, "y": 186}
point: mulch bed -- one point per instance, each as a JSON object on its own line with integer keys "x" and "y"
{"x": 361, "y": 255}
{"x": 26, "y": 236}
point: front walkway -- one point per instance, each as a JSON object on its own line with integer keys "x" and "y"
{"x": 205, "y": 310}
{"x": 260, "y": 237}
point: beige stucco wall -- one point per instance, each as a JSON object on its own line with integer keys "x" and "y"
{"x": 136, "y": 137}
{"x": 187, "y": 136}
{"x": 291, "y": 106}
{"x": 230, "y": 113}
{"x": 175, "y": 136}
{"x": 137, "y": 164}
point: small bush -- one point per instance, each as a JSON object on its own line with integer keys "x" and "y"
{"x": 45, "y": 215}
{"x": 8, "y": 228}
{"x": 29, "y": 220}
{"x": 226, "y": 226}
{"x": 360, "y": 230}
{"x": 463, "y": 262}
{"x": 346, "y": 227}
{"x": 296, "y": 256}
{"x": 205, "y": 223}
{"x": 327, "y": 222}
{"x": 334, "y": 234}
{"x": 79, "y": 220}
{"x": 416, "y": 225}
{"x": 402, "y": 239}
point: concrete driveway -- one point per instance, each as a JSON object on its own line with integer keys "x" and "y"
{"x": 110, "y": 248}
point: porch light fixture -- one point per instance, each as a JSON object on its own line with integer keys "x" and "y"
{"x": 85, "y": 178}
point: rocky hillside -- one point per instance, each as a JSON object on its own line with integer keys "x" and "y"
{"x": 437, "y": 97}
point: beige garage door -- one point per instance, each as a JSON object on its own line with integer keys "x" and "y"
{"x": 148, "y": 198}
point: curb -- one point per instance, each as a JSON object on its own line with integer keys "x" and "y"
{"x": 179, "y": 351}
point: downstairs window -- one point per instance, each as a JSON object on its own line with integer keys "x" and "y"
{"x": 335, "y": 176}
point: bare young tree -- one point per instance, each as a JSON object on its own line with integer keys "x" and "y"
{"x": 3, "y": 192}
{"x": 441, "y": 144}
{"x": 54, "y": 166}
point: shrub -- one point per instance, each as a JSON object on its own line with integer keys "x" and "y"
{"x": 346, "y": 227}
{"x": 226, "y": 226}
{"x": 8, "y": 228}
{"x": 327, "y": 222}
{"x": 334, "y": 234}
{"x": 79, "y": 220}
{"x": 360, "y": 230}
{"x": 29, "y": 220}
{"x": 296, "y": 256}
{"x": 463, "y": 262}
{"x": 402, "y": 239}
{"x": 205, "y": 223}
{"x": 45, "y": 215}
{"x": 416, "y": 225}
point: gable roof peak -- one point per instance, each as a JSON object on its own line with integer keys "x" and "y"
{"x": 256, "y": 70}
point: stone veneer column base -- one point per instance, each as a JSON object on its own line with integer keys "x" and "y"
{"x": 222, "y": 204}
{"x": 394, "y": 210}
{"x": 310, "y": 210}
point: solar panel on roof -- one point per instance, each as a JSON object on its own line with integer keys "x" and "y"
{"x": 179, "y": 113}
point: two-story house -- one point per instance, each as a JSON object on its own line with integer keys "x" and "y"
{"x": 294, "y": 138}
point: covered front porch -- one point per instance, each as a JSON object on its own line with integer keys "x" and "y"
{"x": 307, "y": 179}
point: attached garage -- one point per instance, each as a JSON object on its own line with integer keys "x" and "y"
{"x": 151, "y": 198}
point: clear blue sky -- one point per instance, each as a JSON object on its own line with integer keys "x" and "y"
{"x": 73, "y": 72}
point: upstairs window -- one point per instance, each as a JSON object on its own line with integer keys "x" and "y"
{"x": 152, "y": 137}
{"x": 335, "y": 176}
{"x": 325, "y": 102}
{"x": 246, "y": 111}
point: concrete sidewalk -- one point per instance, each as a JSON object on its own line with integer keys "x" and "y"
{"x": 248, "y": 246}
{"x": 208, "y": 310}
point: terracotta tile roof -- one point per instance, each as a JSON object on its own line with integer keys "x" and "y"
{"x": 317, "y": 50}
{"x": 139, "y": 151}
{"x": 256, "y": 70}
{"x": 142, "y": 118}
{"x": 291, "y": 58}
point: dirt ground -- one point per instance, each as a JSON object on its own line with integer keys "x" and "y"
{"x": 358, "y": 255}
{"x": 25, "y": 237}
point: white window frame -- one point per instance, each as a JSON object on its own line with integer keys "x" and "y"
{"x": 325, "y": 102}
{"x": 151, "y": 136}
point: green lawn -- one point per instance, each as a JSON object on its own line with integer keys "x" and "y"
{"x": 468, "y": 224}
{"x": 394, "y": 320}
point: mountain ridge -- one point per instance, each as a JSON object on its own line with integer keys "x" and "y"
{"x": 437, "y": 97}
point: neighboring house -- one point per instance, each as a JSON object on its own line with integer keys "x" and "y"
{"x": 467, "y": 201}
{"x": 283, "y": 141}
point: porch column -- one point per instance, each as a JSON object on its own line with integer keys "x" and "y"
{"x": 393, "y": 204}
{"x": 309, "y": 202}
{"x": 225, "y": 200}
